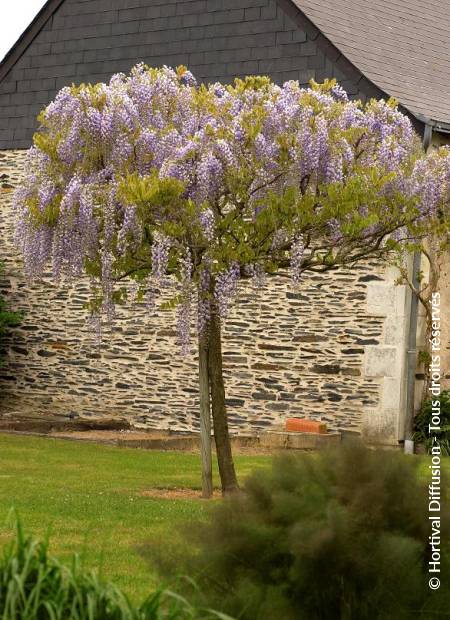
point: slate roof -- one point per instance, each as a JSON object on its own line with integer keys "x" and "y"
{"x": 27, "y": 36}
{"x": 375, "y": 48}
{"x": 402, "y": 46}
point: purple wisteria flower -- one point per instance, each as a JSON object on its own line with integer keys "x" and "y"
{"x": 151, "y": 169}
{"x": 185, "y": 305}
{"x": 203, "y": 301}
{"x": 160, "y": 256}
{"x": 207, "y": 223}
{"x": 226, "y": 287}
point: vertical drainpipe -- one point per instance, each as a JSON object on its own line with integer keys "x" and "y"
{"x": 412, "y": 332}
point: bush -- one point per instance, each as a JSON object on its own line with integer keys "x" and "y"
{"x": 35, "y": 586}
{"x": 423, "y": 420}
{"x": 338, "y": 535}
{"x": 7, "y": 319}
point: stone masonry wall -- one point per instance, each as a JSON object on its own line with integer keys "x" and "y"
{"x": 311, "y": 352}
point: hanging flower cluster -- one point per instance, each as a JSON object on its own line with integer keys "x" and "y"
{"x": 171, "y": 183}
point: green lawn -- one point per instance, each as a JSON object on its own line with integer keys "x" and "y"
{"x": 90, "y": 496}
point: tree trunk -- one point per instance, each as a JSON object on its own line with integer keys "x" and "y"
{"x": 205, "y": 417}
{"x": 219, "y": 413}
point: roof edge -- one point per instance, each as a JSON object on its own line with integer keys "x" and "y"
{"x": 28, "y": 36}
{"x": 296, "y": 12}
{"x": 439, "y": 126}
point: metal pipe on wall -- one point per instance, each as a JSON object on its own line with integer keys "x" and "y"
{"x": 412, "y": 331}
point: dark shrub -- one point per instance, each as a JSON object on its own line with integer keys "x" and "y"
{"x": 35, "y": 586}
{"x": 337, "y": 535}
{"x": 8, "y": 318}
{"x": 423, "y": 420}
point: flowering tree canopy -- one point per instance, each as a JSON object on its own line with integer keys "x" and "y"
{"x": 165, "y": 182}
{"x": 153, "y": 175}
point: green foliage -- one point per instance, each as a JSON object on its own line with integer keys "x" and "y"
{"x": 423, "y": 420}
{"x": 341, "y": 535}
{"x": 8, "y": 319}
{"x": 150, "y": 193}
{"x": 424, "y": 357}
{"x": 35, "y": 586}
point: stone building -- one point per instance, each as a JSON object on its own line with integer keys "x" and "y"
{"x": 336, "y": 349}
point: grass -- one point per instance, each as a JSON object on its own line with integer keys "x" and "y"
{"x": 89, "y": 497}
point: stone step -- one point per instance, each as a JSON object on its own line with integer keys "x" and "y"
{"x": 299, "y": 441}
{"x": 268, "y": 441}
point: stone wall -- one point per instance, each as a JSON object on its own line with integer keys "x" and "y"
{"x": 327, "y": 351}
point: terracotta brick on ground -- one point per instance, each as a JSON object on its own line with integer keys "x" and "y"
{"x": 303, "y": 425}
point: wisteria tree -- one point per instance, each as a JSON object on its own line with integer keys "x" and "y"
{"x": 156, "y": 180}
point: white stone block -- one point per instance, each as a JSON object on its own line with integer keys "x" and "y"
{"x": 394, "y": 331}
{"x": 391, "y": 393}
{"x": 380, "y": 299}
{"x": 381, "y": 361}
{"x": 400, "y": 300}
{"x": 379, "y": 426}
{"x": 391, "y": 274}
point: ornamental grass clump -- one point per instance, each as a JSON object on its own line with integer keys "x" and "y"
{"x": 337, "y": 535}
{"x": 35, "y": 586}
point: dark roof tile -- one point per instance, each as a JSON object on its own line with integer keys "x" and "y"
{"x": 402, "y": 46}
